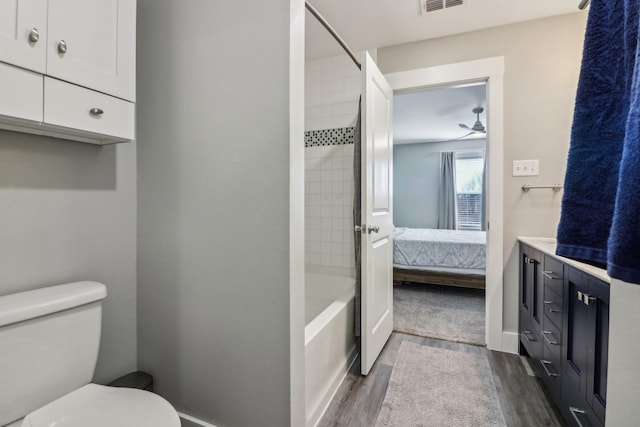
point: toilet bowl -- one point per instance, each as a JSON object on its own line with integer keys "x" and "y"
{"x": 103, "y": 406}
{"x": 50, "y": 339}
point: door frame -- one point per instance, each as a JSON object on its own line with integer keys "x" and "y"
{"x": 491, "y": 71}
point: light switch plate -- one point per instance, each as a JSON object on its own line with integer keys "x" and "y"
{"x": 526, "y": 168}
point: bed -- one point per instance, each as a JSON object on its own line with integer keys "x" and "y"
{"x": 440, "y": 257}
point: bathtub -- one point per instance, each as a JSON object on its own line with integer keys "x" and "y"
{"x": 330, "y": 346}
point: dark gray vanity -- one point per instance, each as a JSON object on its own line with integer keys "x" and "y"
{"x": 564, "y": 328}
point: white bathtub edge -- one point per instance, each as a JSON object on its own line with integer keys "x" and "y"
{"x": 314, "y": 419}
{"x": 316, "y": 325}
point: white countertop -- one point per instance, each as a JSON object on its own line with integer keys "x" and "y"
{"x": 547, "y": 245}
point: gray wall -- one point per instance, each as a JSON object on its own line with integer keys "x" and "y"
{"x": 542, "y": 63}
{"x": 416, "y": 181}
{"x": 69, "y": 213}
{"x": 214, "y": 207}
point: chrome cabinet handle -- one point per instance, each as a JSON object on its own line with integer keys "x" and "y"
{"x": 585, "y": 298}
{"x": 550, "y": 275}
{"x": 544, "y": 366}
{"x": 62, "y": 47}
{"x": 551, "y": 310}
{"x": 574, "y": 412}
{"x": 546, "y": 338}
{"x": 373, "y": 229}
{"x": 526, "y": 335}
{"x": 34, "y": 36}
{"x": 96, "y": 112}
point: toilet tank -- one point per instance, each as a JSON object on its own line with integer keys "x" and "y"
{"x": 49, "y": 342}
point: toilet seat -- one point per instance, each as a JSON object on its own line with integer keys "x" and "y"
{"x": 103, "y": 406}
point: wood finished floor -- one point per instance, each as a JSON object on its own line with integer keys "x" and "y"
{"x": 522, "y": 397}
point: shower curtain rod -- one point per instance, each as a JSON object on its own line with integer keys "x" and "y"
{"x": 583, "y": 4}
{"x": 335, "y": 35}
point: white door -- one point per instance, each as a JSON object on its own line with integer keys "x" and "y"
{"x": 23, "y": 33}
{"x": 377, "y": 219}
{"x": 93, "y": 43}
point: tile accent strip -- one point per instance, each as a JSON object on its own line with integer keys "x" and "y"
{"x": 323, "y": 137}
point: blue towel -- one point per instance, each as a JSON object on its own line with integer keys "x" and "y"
{"x": 598, "y": 135}
{"x": 624, "y": 240}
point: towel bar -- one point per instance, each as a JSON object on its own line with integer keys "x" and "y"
{"x": 554, "y": 187}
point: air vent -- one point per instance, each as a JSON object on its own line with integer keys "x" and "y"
{"x": 451, "y": 3}
{"x": 427, "y": 6}
{"x": 433, "y": 5}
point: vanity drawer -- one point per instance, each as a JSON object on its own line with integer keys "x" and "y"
{"x": 75, "y": 107}
{"x": 553, "y": 304}
{"x": 550, "y": 372}
{"x": 553, "y": 274}
{"x": 552, "y": 337}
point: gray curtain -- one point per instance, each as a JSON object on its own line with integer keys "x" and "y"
{"x": 447, "y": 198}
{"x": 357, "y": 214}
{"x": 483, "y": 196}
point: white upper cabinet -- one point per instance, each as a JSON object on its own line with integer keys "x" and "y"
{"x": 68, "y": 68}
{"x": 23, "y": 33}
{"x": 92, "y": 43}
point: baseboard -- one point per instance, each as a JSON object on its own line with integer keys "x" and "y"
{"x": 510, "y": 342}
{"x": 189, "y": 421}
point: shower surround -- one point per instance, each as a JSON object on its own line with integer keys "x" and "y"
{"x": 332, "y": 88}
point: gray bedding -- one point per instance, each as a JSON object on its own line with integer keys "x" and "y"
{"x": 433, "y": 249}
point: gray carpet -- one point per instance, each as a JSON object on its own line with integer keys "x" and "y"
{"x": 437, "y": 387}
{"x": 443, "y": 312}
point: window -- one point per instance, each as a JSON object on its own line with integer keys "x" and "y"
{"x": 469, "y": 185}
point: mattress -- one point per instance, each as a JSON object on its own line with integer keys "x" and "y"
{"x": 439, "y": 249}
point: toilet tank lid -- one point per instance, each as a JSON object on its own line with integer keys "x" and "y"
{"x": 27, "y": 305}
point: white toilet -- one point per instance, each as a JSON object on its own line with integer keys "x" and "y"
{"x": 49, "y": 341}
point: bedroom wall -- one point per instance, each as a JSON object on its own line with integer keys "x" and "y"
{"x": 416, "y": 181}
{"x": 542, "y": 62}
{"x": 68, "y": 214}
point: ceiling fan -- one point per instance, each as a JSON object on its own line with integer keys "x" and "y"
{"x": 477, "y": 127}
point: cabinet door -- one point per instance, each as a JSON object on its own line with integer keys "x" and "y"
{"x": 23, "y": 33}
{"x": 92, "y": 43}
{"x": 578, "y": 332}
{"x": 597, "y": 380}
{"x": 531, "y": 302}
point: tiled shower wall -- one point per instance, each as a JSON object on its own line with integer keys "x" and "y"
{"x": 332, "y": 88}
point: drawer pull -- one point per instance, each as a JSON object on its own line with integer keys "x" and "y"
{"x": 574, "y": 412}
{"x": 96, "y": 112}
{"x": 545, "y": 333}
{"x": 544, "y": 366}
{"x": 588, "y": 299}
{"x": 550, "y": 275}
{"x": 62, "y": 47}
{"x": 551, "y": 310}
{"x": 34, "y": 36}
{"x": 526, "y": 335}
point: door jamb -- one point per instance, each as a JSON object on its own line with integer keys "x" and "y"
{"x": 490, "y": 70}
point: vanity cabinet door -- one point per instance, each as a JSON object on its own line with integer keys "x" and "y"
{"x": 531, "y": 301}
{"x": 587, "y": 345}
{"x": 92, "y": 43}
{"x": 23, "y": 33}
{"x": 579, "y": 335}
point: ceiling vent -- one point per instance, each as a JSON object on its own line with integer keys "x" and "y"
{"x": 427, "y": 6}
